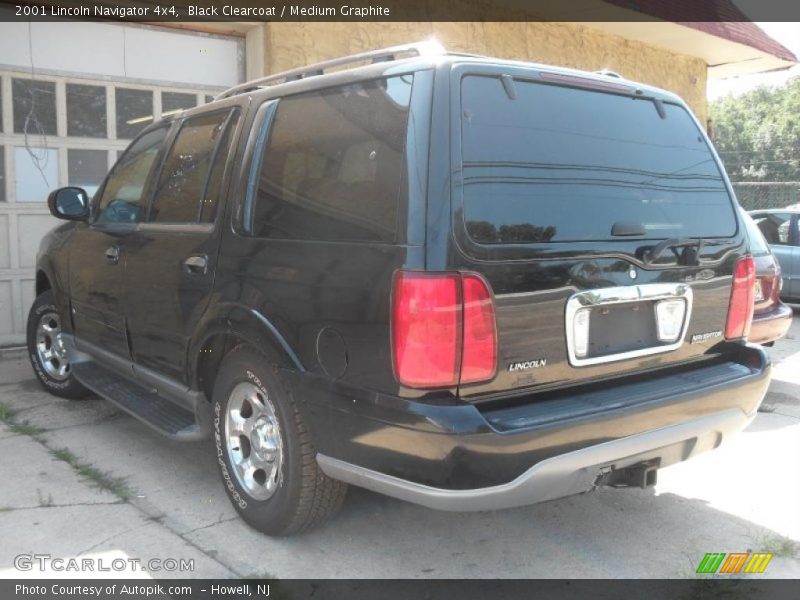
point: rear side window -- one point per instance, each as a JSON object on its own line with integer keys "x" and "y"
{"x": 560, "y": 164}
{"x": 188, "y": 185}
{"x": 333, "y": 167}
{"x": 774, "y": 227}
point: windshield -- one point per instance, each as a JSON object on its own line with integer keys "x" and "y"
{"x": 557, "y": 164}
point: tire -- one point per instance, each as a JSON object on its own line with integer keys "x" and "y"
{"x": 44, "y": 327}
{"x": 281, "y": 491}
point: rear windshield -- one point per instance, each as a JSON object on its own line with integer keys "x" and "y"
{"x": 560, "y": 164}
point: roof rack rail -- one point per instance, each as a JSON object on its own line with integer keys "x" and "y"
{"x": 383, "y": 55}
{"x": 609, "y": 73}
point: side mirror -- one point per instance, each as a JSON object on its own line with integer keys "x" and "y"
{"x": 69, "y": 203}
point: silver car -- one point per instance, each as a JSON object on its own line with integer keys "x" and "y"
{"x": 781, "y": 229}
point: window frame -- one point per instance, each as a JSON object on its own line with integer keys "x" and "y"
{"x": 172, "y": 138}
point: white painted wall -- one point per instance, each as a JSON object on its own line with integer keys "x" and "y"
{"x": 123, "y": 52}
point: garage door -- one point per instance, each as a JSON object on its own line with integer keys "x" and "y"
{"x": 72, "y": 95}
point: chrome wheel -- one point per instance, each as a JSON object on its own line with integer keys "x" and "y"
{"x": 253, "y": 439}
{"x": 50, "y": 347}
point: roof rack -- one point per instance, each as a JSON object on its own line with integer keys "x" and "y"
{"x": 609, "y": 73}
{"x": 384, "y": 55}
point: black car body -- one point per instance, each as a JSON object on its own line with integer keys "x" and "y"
{"x": 481, "y": 283}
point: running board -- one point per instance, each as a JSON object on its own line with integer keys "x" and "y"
{"x": 145, "y": 404}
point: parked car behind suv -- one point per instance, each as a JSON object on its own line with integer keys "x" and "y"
{"x": 771, "y": 317}
{"x": 781, "y": 230}
{"x": 466, "y": 282}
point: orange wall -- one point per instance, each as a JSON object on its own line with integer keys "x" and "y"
{"x": 289, "y": 45}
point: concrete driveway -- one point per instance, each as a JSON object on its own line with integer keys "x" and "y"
{"x": 82, "y": 479}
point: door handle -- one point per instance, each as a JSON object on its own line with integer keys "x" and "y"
{"x": 196, "y": 264}
{"x": 112, "y": 255}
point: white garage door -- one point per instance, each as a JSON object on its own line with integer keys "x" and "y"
{"x": 72, "y": 95}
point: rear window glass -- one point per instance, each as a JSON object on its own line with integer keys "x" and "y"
{"x": 333, "y": 168}
{"x": 560, "y": 164}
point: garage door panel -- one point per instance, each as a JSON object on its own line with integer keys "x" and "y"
{"x": 5, "y": 241}
{"x": 6, "y": 308}
{"x": 31, "y": 229}
{"x": 28, "y": 295}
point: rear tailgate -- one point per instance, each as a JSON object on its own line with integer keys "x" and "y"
{"x": 561, "y": 188}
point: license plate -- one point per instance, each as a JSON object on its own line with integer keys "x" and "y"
{"x": 759, "y": 291}
{"x": 620, "y": 328}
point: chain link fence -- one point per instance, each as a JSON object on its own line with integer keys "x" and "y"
{"x": 756, "y": 195}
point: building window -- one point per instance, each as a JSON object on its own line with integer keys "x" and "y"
{"x": 61, "y": 129}
{"x": 35, "y": 173}
{"x": 134, "y": 111}
{"x": 87, "y": 168}
{"x": 86, "y": 111}
{"x": 174, "y": 102}
{"x": 34, "y": 105}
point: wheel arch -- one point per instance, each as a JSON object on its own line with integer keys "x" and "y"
{"x": 228, "y": 326}
{"x": 47, "y": 279}
{"x": 43, "y": 282}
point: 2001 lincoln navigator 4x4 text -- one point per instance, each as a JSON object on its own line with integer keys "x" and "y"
{"x": 465, "y": 282}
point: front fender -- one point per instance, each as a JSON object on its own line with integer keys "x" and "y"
{"x": 52, "y": 263}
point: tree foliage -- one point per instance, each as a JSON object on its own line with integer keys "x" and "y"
{"x": 757, "y": 134}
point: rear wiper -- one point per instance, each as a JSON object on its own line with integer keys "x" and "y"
{"x": 689, "y": 256}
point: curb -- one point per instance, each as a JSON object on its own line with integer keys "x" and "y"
{"x": 13, "y": 351}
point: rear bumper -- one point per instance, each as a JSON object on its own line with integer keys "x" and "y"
{"x": 770, "y": 326}
{"x": 457, "y": 457}
{"x": 559, "y": 476}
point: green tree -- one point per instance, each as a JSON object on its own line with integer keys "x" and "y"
{"x": 757, "y": 134}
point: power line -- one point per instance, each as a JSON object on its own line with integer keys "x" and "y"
{"x": 795, "y": 147}
{"x": 769, "y": 162}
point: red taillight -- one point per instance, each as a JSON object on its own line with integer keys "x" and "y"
{"x": 426, "y": 328}
{"x": 740, "y": 309}
{"x": 443, "y": 329}
{"x": 479, "y": 355}
{"x": 771, "y": 286}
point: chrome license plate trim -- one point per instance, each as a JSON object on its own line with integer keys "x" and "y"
{"x": 650, "y": 292}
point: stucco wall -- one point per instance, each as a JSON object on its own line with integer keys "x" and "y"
{"x": 289, "y": 45}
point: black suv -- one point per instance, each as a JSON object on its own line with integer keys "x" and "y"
{"x": 465, "y": 282}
